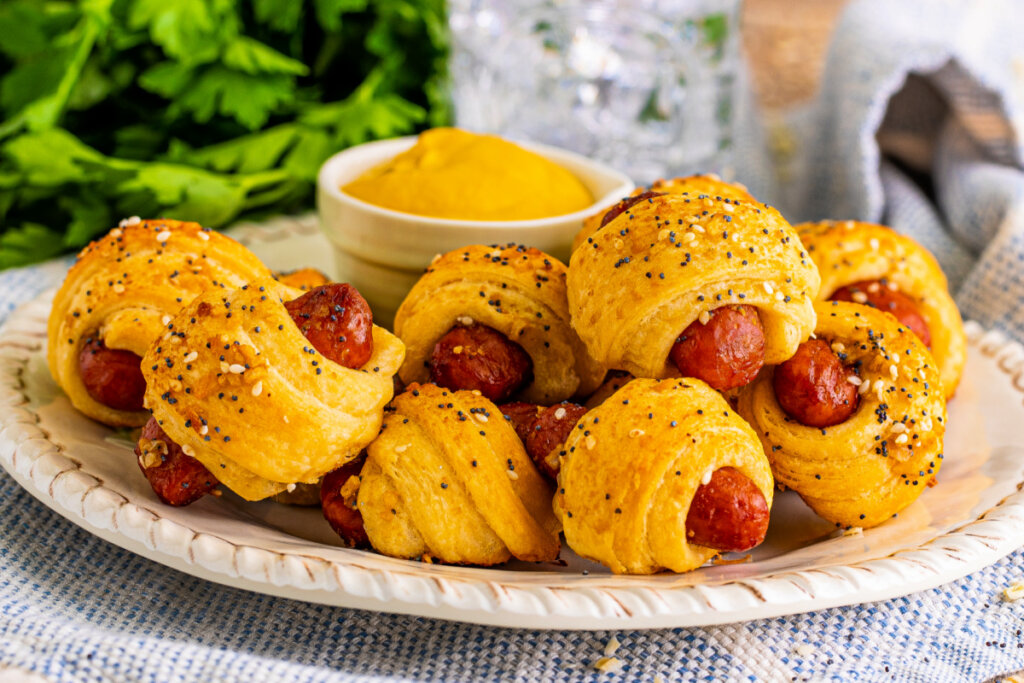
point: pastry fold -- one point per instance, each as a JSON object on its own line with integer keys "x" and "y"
{"x": 516, "y": 290}
{"x": 121, "y": 288}
{"x": 639, "y": 281}
{"x": 448, "y": 479}
{"x": 237, "y": 385}
{"x": 851, "y": 251}
{"x": 633, "y": 464}
{"x": 868, "y": 468}
{"x": 694, "y": 186}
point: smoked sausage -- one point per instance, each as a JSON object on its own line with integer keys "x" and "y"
{"x": 813, "y": 386}
{"x": 177, "y": 479}
{"x": 625, "y": 204}
{"x": 882, "y": 295}
{"x": 477, "y": 357}
{"x": 338, "y": 500}
{"x": 337, "y": 321}
{"x": 729, "y": 513}
{"x": 111, "y": 376}
{"x": 726, "y": 351}
{"x": 549, "y": 429}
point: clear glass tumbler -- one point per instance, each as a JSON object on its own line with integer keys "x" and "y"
{"x": 645, "y": 85}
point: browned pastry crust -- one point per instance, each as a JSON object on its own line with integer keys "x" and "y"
{"x": 669, "y": 260}
{"x": 633, "y": 464}
{"x": 707, "y": 184}
{"x": 516, "y": 290}
{"x": 126, "y": 285}
{"x": 235, "y": 383}
{"x": 448, "y": 479}
{"x": 878, "y": 461}
{"x": 852, "y": 251}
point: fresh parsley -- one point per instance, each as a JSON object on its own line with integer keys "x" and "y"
{"x": 204, "y": 110}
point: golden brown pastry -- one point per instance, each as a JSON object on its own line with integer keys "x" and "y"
{"x": 695, "y": 186}
{"x": 495, "y": 319}
{"x": 238, "y": 384}
{"x": 116, "y": 300}
{"x": 854, "y": 422}
{"x": 448, "y": 479}
{"x": 872, "y": 264}
{"x": 707, "y": 287}
{"x": 302, "y": 278}
{"x": 663, "y": 475}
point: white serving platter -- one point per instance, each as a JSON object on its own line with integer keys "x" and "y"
{"x": 88, "y": 474}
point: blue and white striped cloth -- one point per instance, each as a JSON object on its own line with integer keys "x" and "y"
{"x": 940, "y": 160}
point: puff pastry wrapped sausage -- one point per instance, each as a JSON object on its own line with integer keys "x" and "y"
{"x": 505, "y": 306}
{"x": 448, "y": 479}
{"x": 636, "y": 467}
{"x": 240, "y": 387}
{"x": 695, "y": 186}
{"x": 666, "y": 266}
{"x": 873, "y": 264}
{"x": 114, "y": 302}
{"x": 880, "y": 457}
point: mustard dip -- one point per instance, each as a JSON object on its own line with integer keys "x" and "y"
{"x": 451, "y": 173}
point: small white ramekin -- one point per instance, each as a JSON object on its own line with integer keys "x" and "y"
{"x": 383, "y": 252}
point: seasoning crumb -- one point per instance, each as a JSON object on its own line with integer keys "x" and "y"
{"x": 1014, "y": 592}
{"x": 612, "y": 646}
{"x": 608, "y": 665}
{"x": 804, "y": 650}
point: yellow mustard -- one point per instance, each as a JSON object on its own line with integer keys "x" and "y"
{"x": 451, "y": 173}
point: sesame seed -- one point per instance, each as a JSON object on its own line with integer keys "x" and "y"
{"x": 854, "y": 380}
{"x": 163, "y": 236}
{"x": 189, "y": 357}
{"x": 512, "y": 474}
{"x": 560, "y": 413}
{"x": 257, "y": 388}
{"x": 236, "y": 369}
